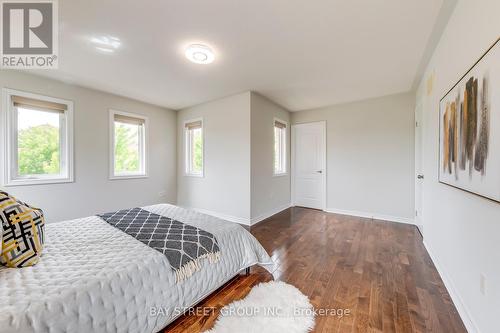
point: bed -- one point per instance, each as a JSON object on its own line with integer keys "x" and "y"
{"x": 93, "y": 277}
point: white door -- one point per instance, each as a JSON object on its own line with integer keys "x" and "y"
{"x": 419, "y": 176}
{"x": 309, "y": 165}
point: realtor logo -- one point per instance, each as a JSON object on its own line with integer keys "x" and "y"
{"x": 29, "y": 34}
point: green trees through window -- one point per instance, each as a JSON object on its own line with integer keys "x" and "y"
{"x": 197, "y": 150}
{"x": 38, "y": 142}
{"x": 39, "y": 150}
{"x": 127, "y": 148}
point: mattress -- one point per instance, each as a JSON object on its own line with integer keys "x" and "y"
{"x": 93, "y": 277}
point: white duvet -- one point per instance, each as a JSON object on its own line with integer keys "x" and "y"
{"x": 93, "y": 277}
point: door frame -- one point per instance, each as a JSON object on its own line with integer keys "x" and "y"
{"x": 292, "y": 162}
{"x": 419, "y": 166}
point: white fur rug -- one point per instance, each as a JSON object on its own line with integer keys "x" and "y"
{"x": 272, "y": 307}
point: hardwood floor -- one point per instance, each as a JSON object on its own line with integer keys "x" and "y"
{"x": 377, "y": 270}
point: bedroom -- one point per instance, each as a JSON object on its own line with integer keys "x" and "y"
{"x": 250, "y": 166}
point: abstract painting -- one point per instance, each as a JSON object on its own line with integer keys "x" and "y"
{"x": 469, "y": 129}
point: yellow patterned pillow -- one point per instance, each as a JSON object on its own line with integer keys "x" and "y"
{"x": 22, "y": 232}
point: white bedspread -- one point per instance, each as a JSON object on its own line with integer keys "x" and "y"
{"x": 94, "y": 278}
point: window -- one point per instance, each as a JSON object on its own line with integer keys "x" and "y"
{"x": 279, "y": 147}
{"x": 39, "y": 140}
{"x": 194, "y": 147}
{"x": 128, "y": 145}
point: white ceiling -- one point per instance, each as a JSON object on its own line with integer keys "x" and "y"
{"x": 301, "y": 54}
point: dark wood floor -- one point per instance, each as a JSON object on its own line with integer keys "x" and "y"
{"x": 378, "y": 270}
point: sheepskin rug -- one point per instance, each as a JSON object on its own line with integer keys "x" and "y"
{"x": 272, "y": 307}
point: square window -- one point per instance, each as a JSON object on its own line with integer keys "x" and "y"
{"x": 39, "y": 141}
{"x": 193, "y": 134}
{"x": 280, "y": 147}
{"x": 128, "y": 145}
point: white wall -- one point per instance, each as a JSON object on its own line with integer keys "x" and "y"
{"x": 370, "y": 156}
{"x": 461, "y": 230}
{"x": 93, "y": 192}
{"x": 270, "y": 194}
{"x": 225, "y": 187}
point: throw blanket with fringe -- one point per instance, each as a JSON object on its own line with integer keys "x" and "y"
{"x": 183, "y": 245}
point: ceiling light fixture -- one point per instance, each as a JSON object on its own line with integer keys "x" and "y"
{"x": 200, "y": 54}
{"x": 106, "y": 44}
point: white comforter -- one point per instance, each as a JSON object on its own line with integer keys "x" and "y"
{"x": 94, "y": 278}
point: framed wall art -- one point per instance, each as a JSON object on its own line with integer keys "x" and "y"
{"x": 469, "y": 129}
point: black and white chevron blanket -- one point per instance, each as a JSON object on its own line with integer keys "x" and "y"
{"x": 182, "y": 244}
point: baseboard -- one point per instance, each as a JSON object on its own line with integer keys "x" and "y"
{"x": 227, "y": 217}
{"x": 371, "y": 215}
{"x": 268, "y": 214}
{"x": 464, "y": 313}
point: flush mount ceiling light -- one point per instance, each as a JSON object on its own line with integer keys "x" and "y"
{"x": 200, "y": 54}
{"x": 106, "y": 44}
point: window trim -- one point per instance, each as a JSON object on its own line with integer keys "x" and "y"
{"x": 187, "y": 173}
{"x": 285, "y": 152}
{"x": 10, "y": 137}
{"x": 145, "y": 153}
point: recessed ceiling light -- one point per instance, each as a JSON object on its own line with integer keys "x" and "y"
{"x": 200, "y": 54}
{"x": 106, "y": 44}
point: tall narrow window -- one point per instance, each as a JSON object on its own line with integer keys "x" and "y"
{"x": 39, "y": 139}
{"x": 128, "y": 144}
{"x": 194, "y": 147}
{"x": 279, "y": 147}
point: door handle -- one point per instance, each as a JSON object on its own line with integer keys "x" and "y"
{"x": 420, "y": 176}
{"x": 319, "y": 171}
